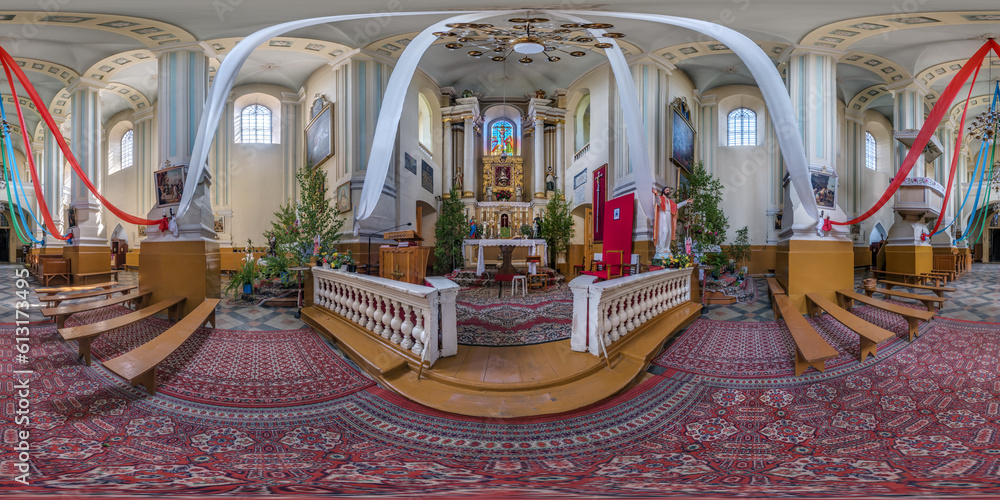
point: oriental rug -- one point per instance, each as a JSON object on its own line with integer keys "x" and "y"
{"x": 487, "y": 320}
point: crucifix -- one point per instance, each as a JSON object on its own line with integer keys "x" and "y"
{"x": 597, "y": 196}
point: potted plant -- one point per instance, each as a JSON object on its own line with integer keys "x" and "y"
{"x": 244, "y": 278}
{"x": 346, "y": 259}
{"x": 525, "y": 230}
{"x": 558, "y": 224}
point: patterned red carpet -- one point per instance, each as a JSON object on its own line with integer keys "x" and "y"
{"x": 235, "y": 368}
{"x": 919, "y": 420}
{"x": 487, "y": 320}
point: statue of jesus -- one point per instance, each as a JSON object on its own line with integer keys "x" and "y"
{"x": 665, "y": 224}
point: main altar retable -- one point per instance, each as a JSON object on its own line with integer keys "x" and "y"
{"x": 536, "y": 247}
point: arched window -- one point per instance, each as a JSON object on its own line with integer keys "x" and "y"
{"x": 424, "y": 128}
{"x": 127, "y": 148}
{"x": 255, "y": 125}
{"x": 742, "y": 127}
{"x": 502, "y": 138}
{"x": 871, "y": 151}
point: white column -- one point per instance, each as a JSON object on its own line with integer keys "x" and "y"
{"x": 183, "y": 86}
{"x": 52, "y": 180}
{"x": 469, "y": 163}
{"x": 144, "y": 149}
{"x": 538, "y": 170}
{"x": 560, "y": 147}
{"x": 85, "y": 143}
{"x": 708, "y": 133}
{"x": 907, "y": 114}
{"x": 292, "y": 124}
{"x": 447, "y": 163}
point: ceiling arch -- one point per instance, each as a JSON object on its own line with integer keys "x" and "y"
{"x": 149, "y": 32}
{"x": 63, "y": 73}
{"x": 866, "y": 97}
{"x": 880, "y": 65}
{"x": 842, "y": 35}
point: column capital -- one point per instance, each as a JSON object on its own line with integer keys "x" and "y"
{"x": 85, "y": 83}
{"x": 203, "y": 47}
{"x": 908, "y": 84}
{"x": 707, "y": 100}
{"x": 144, "y": 114}
{"x": 291, "y": 98}
{"x": 797, "y": 50}
{"x": 855, "y": 116}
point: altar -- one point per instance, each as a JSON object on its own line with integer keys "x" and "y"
{"x": 536, "y": 247}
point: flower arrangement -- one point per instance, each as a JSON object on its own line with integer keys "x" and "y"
{"x": 336, "y": 259}
{"x": 677, "y": 261}
{"x": 502, "y": 195}
{"x": 525, "y": 230}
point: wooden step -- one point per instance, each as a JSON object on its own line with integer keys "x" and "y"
{"x": 138, "y": 366}
{"x": 552, "y": 379}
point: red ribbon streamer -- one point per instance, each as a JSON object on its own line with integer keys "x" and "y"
{"x": 947, "y": 97}
{"x": 9, "y": 64}
{"x": 954, "y": 159}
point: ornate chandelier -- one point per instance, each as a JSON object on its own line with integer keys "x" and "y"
{"x": 984, "y": 126}
{"x": 526, "y": 36}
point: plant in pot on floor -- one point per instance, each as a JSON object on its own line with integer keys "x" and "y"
{"x": 243, "y": 279}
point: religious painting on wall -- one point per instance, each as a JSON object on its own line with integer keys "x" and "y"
{"x": 170, "y": 185}
{"x": 220, "y": 224}
{"x": 682, "y": 144}
{"x": 502, "y": 138}
{"x": 319, "y": 137}
{"x": 501, "y": 175}
{"x": 824, "y": 189}
{"x": 600, "y": 198}
{"x": 344, "y": 197}
{"x": 71, "y": 217}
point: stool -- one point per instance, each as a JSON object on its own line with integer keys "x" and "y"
{"x": 524, "y": 285}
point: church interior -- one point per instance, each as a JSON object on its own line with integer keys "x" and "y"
{"x": 420, "y": 248}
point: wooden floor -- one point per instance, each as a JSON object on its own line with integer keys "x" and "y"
{"x": 504, "y": 382}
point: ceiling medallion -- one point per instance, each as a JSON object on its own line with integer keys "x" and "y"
{"x": 526, "y": 36}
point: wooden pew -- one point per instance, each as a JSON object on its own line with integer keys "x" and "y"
{"x": 61, "y": 313}
{"x": 939, "y": 290}
{"x": 911, "y": 315}
{"x": 55, "y": 300}
{"x": 929, "y": 301}
{"x": 86, "y": 334}
{"x": 78, "y": 288}
{"x": 810, "y": 348}
{"x": 53, "y": 268}
{"x": 774, "y": 288}
{"x": 870, "y": 335}
{"x": 920, "y": 279}
{"x": 138, "y": 366}
{"x": 942, "y": 275}
{"x": 82, "y": 278}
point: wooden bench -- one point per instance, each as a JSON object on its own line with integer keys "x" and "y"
{"x": 774, "y": 288}
{"x": 55, "y": 300}
{"x": 929, "y": 301}
{"x": 939, "y": 290}
{"x": 810, "y": 348}
{"x": 870, "y": 335}
{"x": 919, "y": 279}
{"x": 138, "y": 366}
{"x": 61, "y": 313}
{"x": 70, "y": 289}
{"x": 53, "y": 268}
{"x": 85, "y": 334}
{"x": 81, "y": 278}
{"x": 943, "y": 275}
{"x": 911, "y": 315}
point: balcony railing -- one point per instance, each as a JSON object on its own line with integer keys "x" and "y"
{"x": 583, "y": 151}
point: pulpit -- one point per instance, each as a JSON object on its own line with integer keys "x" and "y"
{"x": 406, "y": 262}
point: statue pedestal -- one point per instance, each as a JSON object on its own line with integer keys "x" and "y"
{"x": 917, "y": 201}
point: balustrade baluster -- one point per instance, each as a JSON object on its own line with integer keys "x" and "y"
{"x": 630, "y": 311}
{"x": 370, "y": 311}
{"x": 377, "y": 317}
{"x": 407, "y": 328}
{"x": 418, "y": 332}
{"x": 356, "y": 316}
{"x": 397, "y": 320}
{"x": 608, "y": 312}
{"x": 616, "y": 319}
{"x": 387, "y": 319}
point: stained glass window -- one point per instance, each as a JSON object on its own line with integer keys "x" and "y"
{"x": 502, "y": 138}
{"x": 742, "y": 127}
{"x": 870, "y": 151}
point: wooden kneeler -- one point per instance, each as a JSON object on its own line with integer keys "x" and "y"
{"x": 138, "y": 366}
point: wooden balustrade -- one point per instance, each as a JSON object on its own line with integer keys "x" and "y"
{"x": 613, "y": 308}
{"x": 419, "y": 321}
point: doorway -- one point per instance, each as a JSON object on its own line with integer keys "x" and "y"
{"x": 4, "y": 244}
{"x": 994, "y": 245}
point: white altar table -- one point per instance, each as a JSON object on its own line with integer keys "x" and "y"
{"x": 534, "y": 245}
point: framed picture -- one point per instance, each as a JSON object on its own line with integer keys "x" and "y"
{"x": 618, "y": 214}
{"x": 220, "y": 224}
{"x": 344, "y": 197}
{"x": 410, "y": 163}
{"x": 682, "y": 148}
{"x": 824, "y": 189}
{"x": 142, "y": 230}
{"x": 71, "y": 217}
{"x": 319, "y": 137}
{"x": 427, "y": 176}
{"x": 170, "y": 185}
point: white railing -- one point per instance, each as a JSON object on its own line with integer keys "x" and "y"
{"x": 419, "y": 321}
{"x": 609, "y": 310}
{"x": 579, "y": 154}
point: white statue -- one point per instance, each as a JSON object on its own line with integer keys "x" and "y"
{"x": 665, "y": 224}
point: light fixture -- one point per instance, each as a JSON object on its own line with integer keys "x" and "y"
{"x": 526, "y": 36}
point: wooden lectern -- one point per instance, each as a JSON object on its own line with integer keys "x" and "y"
{"x": 404, "y": 263}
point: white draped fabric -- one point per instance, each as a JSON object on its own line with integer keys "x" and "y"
{"x": 532, "y": 244}
{"x": 776, "y": 98}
